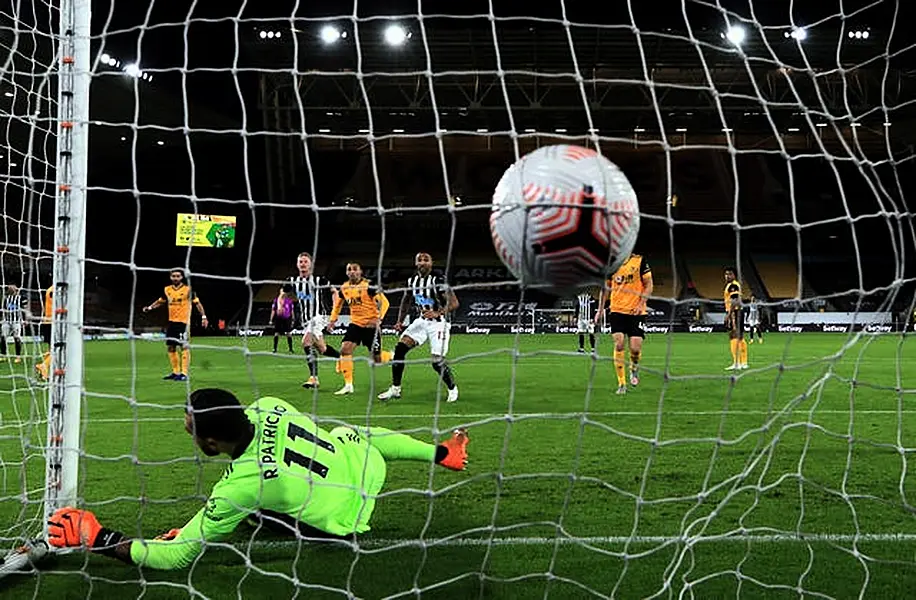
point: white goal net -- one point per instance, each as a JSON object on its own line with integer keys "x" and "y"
{"x": 220, "y": 142}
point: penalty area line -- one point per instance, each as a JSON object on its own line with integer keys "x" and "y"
{"x": 452, "y": 542}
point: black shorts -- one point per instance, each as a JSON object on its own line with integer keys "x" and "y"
{"x": 370, "y": 337}
{"x": 282, "y": 326}
{"x": 176, "y": 334}
{"x": 628, "y": 325}
{"x": 45, "y": 330}
{"x": 737, "y": 327}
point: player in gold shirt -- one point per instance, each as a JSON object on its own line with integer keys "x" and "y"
{"x": 44, "y": 329}
{"x": 179, "y": 298}
{"x": 368, "y": 306}
{"x": 627, "y": 291}
{"x": 734, "y": 320}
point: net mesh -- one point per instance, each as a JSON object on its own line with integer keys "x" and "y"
{"x": 756, "y": 138}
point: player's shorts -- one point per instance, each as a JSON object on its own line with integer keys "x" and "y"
{"x": 370, "y": 337}
{"x": 12, "y": 329}
{"x": 585, "y": 326}
{"x": 752, "y": 323}
{"x": 45, "y": 331}
{"x": 437, "y": 331}
{"x": 176, "y": 334}
{"x": 628, "y": 325}
{"x": 737, "y": 328}
{"x": 282, "y": 326}
{"x": 315, "y": 326}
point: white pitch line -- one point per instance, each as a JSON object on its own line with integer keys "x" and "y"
{"x": 357, "y": 418}
{"x": 450, "y": 542}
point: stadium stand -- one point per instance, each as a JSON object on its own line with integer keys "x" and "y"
{"x": 779, "y": 276}
{"x": 706, "y": 276}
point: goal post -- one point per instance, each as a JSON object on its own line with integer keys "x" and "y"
{"x": 65, "y": 392}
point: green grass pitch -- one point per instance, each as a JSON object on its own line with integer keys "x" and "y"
{"x": 571, "y": 492}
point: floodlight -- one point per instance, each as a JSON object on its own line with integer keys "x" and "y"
{"x": 735, "y": 35}
{"x": 799, "y": 33}
{"x": 395, "y": 35}
{"x": 133, "y": 69}
{"x": 329, "y": 34}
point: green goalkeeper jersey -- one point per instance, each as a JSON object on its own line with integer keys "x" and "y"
{"x": 327, "y": 480}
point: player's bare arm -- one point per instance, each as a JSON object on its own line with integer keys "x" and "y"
{"x": 335, "y": 311}
{"x": 450, "y": 305}
{"x": 203, "y": 313}
{"x": 602, "y": 303}
{"x": 402, "y": 310}
{"x": 648, "y": 286}
{"x": 156, "y": 304}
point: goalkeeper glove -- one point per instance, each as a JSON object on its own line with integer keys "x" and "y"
{"x": 171, "y": 534}
{"x": 71, "y": 528}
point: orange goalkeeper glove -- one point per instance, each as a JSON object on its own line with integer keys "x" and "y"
{"x": 171, "y": 534}
{"x": 71, "y": 528}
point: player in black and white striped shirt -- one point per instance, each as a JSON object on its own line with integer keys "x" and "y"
{"x": 585, "y": 319}
{"x": 14, "y": 317}
{"x": 313, "y": 296}
{"x": 432, "y": 300}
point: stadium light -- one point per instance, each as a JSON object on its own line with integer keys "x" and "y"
{"x": 859, "y": 34}
{"x": 8, "y": 94}
{"x": 133, "y": 69}
{"x": 395, "y": 35}
{"x": 799, "y": 33}
{"x": 735, "y": 35}
{"x": 330, "y": 34}
{"x": 105, "y": 58}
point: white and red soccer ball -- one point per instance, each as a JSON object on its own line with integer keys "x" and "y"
{"x": 564, "y": 217}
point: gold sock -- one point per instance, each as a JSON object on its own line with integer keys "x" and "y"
{"x": 634, "y": 360}
{"x": 346, "y": 367}
{"x": 386, "y": 356}
{"x": 742, "y": 352}
{"x": 185, "y": 360}
{"x": 173, "y": 360}
{"x": 620, "y": 367}
{"x": 733, "y": 344}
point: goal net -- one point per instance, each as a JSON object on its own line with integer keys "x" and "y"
{"x": 226, "y": 140}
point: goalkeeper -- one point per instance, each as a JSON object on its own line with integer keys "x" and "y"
{"x": 285, "y": 470}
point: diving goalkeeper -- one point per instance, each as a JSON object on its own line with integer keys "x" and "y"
{"x": 285, "y": 471}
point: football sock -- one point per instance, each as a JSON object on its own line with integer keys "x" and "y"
{"x": 385, "y": 356}
{"x": 46, "y": 362}
{"x": 311, "y": 357}
{"x": 173, "y": 360}
{"x": 2, "y": 345}
{"x": 441, "y": 367}
{"x": 397, "y": 367}
{"x": 591, "y": 340}
{"x": 18, "y": 344}
{"x": 276, "y": 340}
{"x": 346, "y": 367}
{"x": 328, "y": 351}
{"x": 742, "y": 352}
{"x": 185, "y": 360}
{"x": 733, "y": 344}
{"x": 289, "y": 343}
{"x": 581, "y": 341}
{"x": 634, "y": 360}
{"x": 620, "y": 367}
{"x": 397, "y": 446}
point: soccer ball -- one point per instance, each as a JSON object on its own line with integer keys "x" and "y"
{"x": 564, "y": 217}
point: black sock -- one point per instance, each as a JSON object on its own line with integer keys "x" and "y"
{"x": 591, "y": 340}
{"x": 311, "y": 356}
{"x": 328, "y": 351}
{"x": 289, "y": 343}
{"x": 445, "y": 373}
{"x": 441, "y": 453}
{"x": 276, "y": 339}
{"x": 581, "y": 341}
{"x": 397, "y": 363}
{"x": 2, "y": 345}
